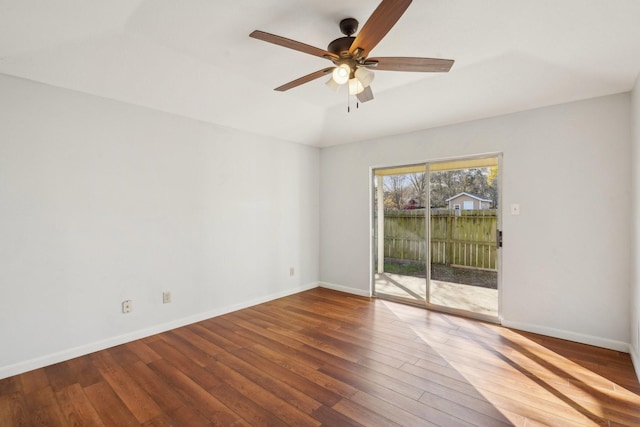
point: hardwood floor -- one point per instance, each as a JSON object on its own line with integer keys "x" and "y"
{"x": 325, "y": 358}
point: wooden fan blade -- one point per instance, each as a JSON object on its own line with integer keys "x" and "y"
{"x": 365, "y": 95}
{"x": 304, "y": 79}
{"x": 424, "y": 65}
{"x": 292, "y": 44}
{"x": 380, "y": 22}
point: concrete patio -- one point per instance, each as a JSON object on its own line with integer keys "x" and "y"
{"x": 453, "y": 295}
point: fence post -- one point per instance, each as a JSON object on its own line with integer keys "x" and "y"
{"x": 449, "y": 241}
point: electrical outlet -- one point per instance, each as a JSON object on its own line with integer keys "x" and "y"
{"x": 292, "y": 271}
{"x": 127, "y": 306}
{"x": 166, "y": 297}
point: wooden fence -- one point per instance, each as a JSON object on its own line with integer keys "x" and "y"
{"x": 463, "y": 238}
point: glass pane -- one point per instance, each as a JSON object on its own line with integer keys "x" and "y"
{"x": 400, "y": 233}
{"x": 463, "y": 227}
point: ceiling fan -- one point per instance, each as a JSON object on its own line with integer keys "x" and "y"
{"x": 350, "y": 55}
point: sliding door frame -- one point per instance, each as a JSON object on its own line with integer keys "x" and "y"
{"x": 427, "y": 304}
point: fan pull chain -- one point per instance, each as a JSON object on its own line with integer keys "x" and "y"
{"x": 349, "y": 105}
{"x": 348, "y": 102}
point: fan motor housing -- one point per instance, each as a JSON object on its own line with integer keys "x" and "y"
{"x": 341, "y": 46}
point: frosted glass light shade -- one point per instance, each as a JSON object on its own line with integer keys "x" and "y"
{"x": 355, "y": 87}
{"x": 364, "y": 76}
{"x": 341, "y": 74}
{"x": 331, "y": 83}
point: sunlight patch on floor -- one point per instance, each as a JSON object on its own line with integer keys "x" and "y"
{"x": 513, "y": 366}
{"x": 463, "y": 297}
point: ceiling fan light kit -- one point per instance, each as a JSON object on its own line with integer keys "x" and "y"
{"x": 350, "y": 54}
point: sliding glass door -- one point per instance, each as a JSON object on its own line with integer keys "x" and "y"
{"x": 436, "y": 235}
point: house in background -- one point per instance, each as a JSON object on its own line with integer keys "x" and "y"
{"x": 466, "y": 201}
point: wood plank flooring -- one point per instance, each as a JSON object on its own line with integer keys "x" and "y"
{"x": 326, "y": 358}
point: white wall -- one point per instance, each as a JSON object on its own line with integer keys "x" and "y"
{"x": 102, "y": 202}
{"x": 565, "y": 266}
{"x": 635, "y": 261}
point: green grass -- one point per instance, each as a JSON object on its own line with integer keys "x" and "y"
{"x": 407, "y": 269}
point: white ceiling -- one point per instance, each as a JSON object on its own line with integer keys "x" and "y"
{"x": 195, "y": 58}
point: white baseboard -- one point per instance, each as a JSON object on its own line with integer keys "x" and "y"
{"x": 61, "y": 356}
{"x": 345, "y": 289}
{"x": 568, "y": 335}
{"x": 635, "y": 359}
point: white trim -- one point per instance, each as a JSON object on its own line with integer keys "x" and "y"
{"x": 61, "y": 356}
{"x": 569, "y": 335}
{"x": 635, "y": 359}
{"x": 346, "y": 289}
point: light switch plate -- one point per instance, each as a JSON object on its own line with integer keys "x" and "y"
{"x": 515, "y": 209}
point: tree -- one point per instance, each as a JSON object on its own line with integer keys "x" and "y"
{"x": 418, "y": 183}
{"x": 399, "y": 189}
{"x": 480, "y": 182}
{"x": 444, "y": 184}
{"x": 492, "y": 181}
{"x": 394, "y": 191}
